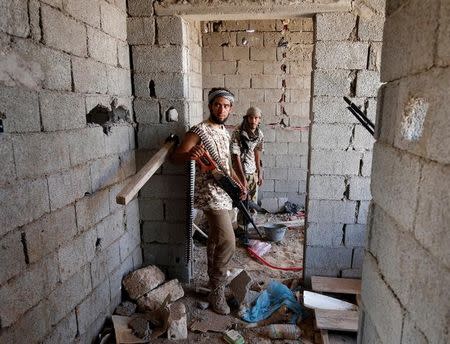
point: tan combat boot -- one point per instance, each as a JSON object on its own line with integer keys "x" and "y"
{"x": 218, "y": 301}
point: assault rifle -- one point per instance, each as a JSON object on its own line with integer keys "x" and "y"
{"x": 360, "y": 116}
{"x": 227, "y": 183}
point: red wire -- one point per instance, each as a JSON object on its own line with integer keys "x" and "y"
{"x": 252, "y": 253}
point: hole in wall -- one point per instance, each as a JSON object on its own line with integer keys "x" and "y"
{"x": 2, "y": 117}
{"x": 105, "y": 117}
{"x": 151, "y": 87}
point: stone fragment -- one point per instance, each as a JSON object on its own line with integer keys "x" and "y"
{"x": 155, "y": 298}
{"x": 178, "y": 322}
{"x": 202, "y": 305}
{"x": 126, "y": 308}
{"x": 240, "y": 287}
{"x": 142, "y": 281}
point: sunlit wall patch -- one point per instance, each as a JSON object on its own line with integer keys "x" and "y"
{"x": 413, "y": 118}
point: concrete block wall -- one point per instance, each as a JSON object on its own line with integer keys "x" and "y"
{"x": 346, "y": 63}
{"x": 267, "y": 63}
{"x": 64, "y": 243}
{"x": 406, "y": 267}
{"x": 166, "y": 59}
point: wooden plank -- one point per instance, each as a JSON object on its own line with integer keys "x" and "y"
{"x": 325, "y": 338}
{"x": 139, "y": 179}
{"x": 319, "y": 301}
{"x": 337, "y": 320}
{"x": 336, "y": 285}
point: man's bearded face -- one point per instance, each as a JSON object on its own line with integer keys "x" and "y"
{"x": 219, "y": 110}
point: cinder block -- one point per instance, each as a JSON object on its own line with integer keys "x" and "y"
{"x": 50, "y": 150}
{"x": 286, "y": 186}
{"x": 167, "y": 85}
{"x": 252, "y": 95}
{"x": 223, "y": 67}
{"x": 171, "y": 59}
{"x": 68, "y": 294}
{"x": 402, "y": 37}
{"x": 403, "y": 185}
{"x": 263, "y": 54}
{"x": 300, "y": 37}
{"x": 128, "y": 244}
{"x": 141, "y": 30}
{"x": 284, "y": 161}
{"x": 332, "y": 83}
{"x": 104, "y": 172}
{"x": 341, "y": 55}
{"x": 11, "y": 255}
{"x": 295, "y": 148}
{"x": 117, "y": 142}
{"x": 76, "y": 253}
{"x": 62, "y": 111}
{"x": 14, "y": 19}
{"x": 333, "y": 110}
{"x": 114, "y": 21}
{"x": 300, "y": 67}
{"x": 91, "y": 209}
{"x": 89, "y": 76}
{"x": 371, "y": 28}
{"x": 7, "y": 169}
{"x": 359, "y": 188}
{"x": 250, "y": 67}
{"x": 92, "y": 144}
{"x": 327, "y": 187}
{"x": 139, "y": 8}
{"x": 270, "y": 204}
{"x": 235, "y": 25}
{"x": 254, "y": 39}
{"x": 287, "y": 135}
{"x": 262, "y": 25}
{"x": 297, "y": 174}
{"x": 159, "y": 232}
{"x": 366, "y": 168}
{"x": 325, "y": 235}
{"x": 324, "y": 211}
{"x": 358, "y": 258}
{"x": 34, "y": 15}
{"x": 55, "y": 69}
{"x": 49, "y": 232}
{"x": 331, "y": 136}
{"x": 21, "y": 294}
{"x": 212, "y": 54}
{"x": 443, "y": 49}
{"x": 164, "y": 187}
{"x": 294, "y": 83}
{"x": 367, "y": 83}
{"x": 155, "y": 298}
{"x": 137, "y": 258}
{"x": 237, "y": 81}
{"x": 62, "y": 32}
{"x": 96, "y": 304}
{"x": 379, "y": 299}
{"x": 171, "y": 30}
{"x": 334, "y": 162}
{"x": 34, "y": 323}
{"x": 110, "y": 229}
{"x": 63, "y": 332}
{"x": 355, "y": 236}
{"x": 123, "y": 55}
{"x": 375, "y": 56}
{"x": 20, "y": 109}
{"x": 363, "y": 212}
{"x": 68, "y": 186}
{"x": 297, "y": 110}
{"x": 274, "y": 68}
{"x": 328, "y": 257}
{"x": 218, "y": 39}
{"x": 335, "y": 26}
{"x": 275, "y": 173}
{"x": 431, "y": 217}
{"x": 271, "y": 39}
{"x": 268, "y": 185}
{"x": 265, "y": 81}
{"x": 84, "y": 10}
{"x": 175, "y": 210}
{"x": 14, "y": 198}
{"x": 274, "y": 148}
{"x": 299, "y": 122}
{"x": 272, "y": 95}
{"x": 151, "y": 209}
{"x": 119, "y": 81}
{"x": 101, "y": 47}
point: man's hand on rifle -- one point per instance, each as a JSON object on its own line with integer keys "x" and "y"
{"x": 196, "y": 152}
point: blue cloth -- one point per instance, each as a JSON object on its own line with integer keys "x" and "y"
{"x": 276, "y": 295}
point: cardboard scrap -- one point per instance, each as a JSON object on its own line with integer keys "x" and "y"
{"x": 124, "y": 334}
{"x": 210, "y": 321}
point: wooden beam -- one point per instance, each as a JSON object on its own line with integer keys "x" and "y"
{"x": 336, "y": 320}
{"x": 139, "y": 179}
{"x": 336, "y": 285}
{"x": 319, "y": 301}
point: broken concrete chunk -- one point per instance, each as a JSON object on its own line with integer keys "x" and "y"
{"x": 202, "y": 304}
{"x": 140, "y": 327}
{"x": 155, "y": 298}
{"x": 126, "y": 308}
{"x": 141, "y": 281}
{"x": 178, "y": 322}
{"x": 240, "y": 286}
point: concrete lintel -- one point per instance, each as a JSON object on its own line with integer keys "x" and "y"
{"x": 231, "y": 11}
